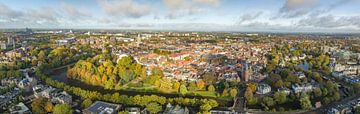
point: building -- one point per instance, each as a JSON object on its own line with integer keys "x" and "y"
{"x": 100, "y": 107}
{"x": 61, "y": 97}
{"x": 20, "y": 109}
{"x": 302, "y": 88}
{"x": 132, "y": 110}
{"x": 176, "y": 109}
{"x": 263, "y": 89}
{"x": 246, "y": 72}
{"x": 3, "y": 45}
{"x": 285, "y": 90}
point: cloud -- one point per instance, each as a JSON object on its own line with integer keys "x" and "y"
{"x": 179, "y": 8}
{"x": 128, "y": 8}
{"x": 249, "y": 17}
{"x": 296, "y": 8}
{"x": 8, "y": 13}
{"x": 330, "y": 21}
{"x": 43, "y": 15}
{"x": 74, "y": 12}
{"x": 208, "y": 2}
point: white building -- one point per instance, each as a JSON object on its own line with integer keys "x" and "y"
{"x": 302, "y": 88}
{"x": 263, "y": 89}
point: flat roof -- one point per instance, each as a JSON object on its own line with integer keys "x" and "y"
{"x": 100, "y": 106}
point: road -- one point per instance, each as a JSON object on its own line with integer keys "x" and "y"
{"x": 239, "y": 102}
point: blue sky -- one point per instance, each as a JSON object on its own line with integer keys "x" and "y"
{"x": 197, "y": 15}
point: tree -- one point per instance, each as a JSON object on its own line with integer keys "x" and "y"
{"x": 225, "y": 93}
{"x": 49, "y": 107}
{"x": 356, "y": 87}
{"x": 357, "y": 110}
{"x": 38, "y": 105}
{"x": 268, "y": 101}
{"x": 205, "y": 107}
{"x": 233, "y": 92}
{"x": 62, "y": 109}
{"x": 192, "y": 86}
{"x": 280, "y": 97}
{"x": 317, "y": 92}
{"x": 305, "y": 102}
{"x": 200, "y": 84}
{"x": 251, "y": 100}
{"x": 251, "y": 87}
{"x": 86, "y": 103}
{"x": 176, "y": 85}
{"x": 183, "y": 89}
{"x": 41, "y": 56}
{"x": 279, "y": 84}
{"x": 153, "y": 108}
{"x": 211, "y": 88}
{"x": 209, "y": 78}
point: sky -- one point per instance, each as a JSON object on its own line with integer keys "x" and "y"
{"x": 188, "y": 15}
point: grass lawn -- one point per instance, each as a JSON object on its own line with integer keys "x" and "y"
{"x": 204, "y": 93}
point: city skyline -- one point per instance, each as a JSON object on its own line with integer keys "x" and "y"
{"x": 189, "y": 15}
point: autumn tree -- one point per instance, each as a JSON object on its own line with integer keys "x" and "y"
{"x": 49, "y": 107}
{"x": 200, "y": 84}
{"x": 233, "y": 92}
{"x": 38, "y": 105}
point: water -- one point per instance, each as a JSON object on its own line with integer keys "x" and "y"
{"x": 61, "y": 75}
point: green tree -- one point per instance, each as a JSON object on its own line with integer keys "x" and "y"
{"x": 357, "y": 110}
{"x": 317, "y": 92}
{"x": 211, "y": 88}
{"x": 268, "y": 101}
{"x": 63, "y": 109}
{"x": 205, "y": 107}
{"x": 153, "y": 108}
{"x": 192, "y": 86}
{"x": 183, "y": 89}
{"x": 86, "y": 103}
{"x": 356, "y": 87}
{"x": 280, "y": 97}
{"x": 305, "y": 102}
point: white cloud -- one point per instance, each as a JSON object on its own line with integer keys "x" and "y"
{"x": 74, "y": 12}
{"x": 128, "y": 8}
{"x": 208, "y": 2}
{"x": 179, "y": 8}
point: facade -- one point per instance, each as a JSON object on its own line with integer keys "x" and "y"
{"x": 302, "y": 88}
{"x": 176, "y": 109}
{"x": 263, "y": 89}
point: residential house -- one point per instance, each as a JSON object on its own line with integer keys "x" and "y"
{"x": 263, "y": 89}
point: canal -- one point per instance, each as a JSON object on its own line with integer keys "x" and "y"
{"x": 60, "y": 74}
